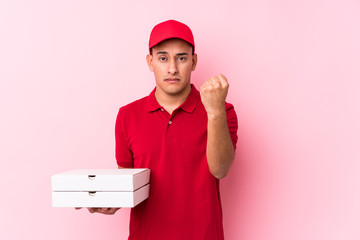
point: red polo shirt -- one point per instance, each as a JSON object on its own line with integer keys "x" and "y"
{"x": 184, "y": 201}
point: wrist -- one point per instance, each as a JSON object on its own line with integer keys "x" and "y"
{"x": 215, "y": 115}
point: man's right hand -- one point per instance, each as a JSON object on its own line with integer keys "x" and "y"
{"x": 107, "y": 211}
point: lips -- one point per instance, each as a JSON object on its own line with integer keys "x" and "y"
{"x": 172, "y": 80}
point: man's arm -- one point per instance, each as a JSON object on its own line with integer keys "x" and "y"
{"x": 219, "y": 150}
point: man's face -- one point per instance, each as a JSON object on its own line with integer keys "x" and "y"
{"x": 172, "y": 62}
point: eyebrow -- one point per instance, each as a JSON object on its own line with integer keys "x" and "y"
{"x": 163, "y": 52}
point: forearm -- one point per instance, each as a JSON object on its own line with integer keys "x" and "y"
{"x": 219, "y": 149}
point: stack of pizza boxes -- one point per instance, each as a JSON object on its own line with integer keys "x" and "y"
{"x": 108, "y": 188}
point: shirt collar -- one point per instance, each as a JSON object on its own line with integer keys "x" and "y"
{"x": 187, "y": 106}
{"x": 152, "y": 104}
{"x": 191, "y": 100}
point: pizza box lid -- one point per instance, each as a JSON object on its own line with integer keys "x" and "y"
{"x": 125, "y": 179}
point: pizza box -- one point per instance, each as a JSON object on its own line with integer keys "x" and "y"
{"x": 100, "y": 187}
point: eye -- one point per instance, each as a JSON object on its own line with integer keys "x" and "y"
{"x": 162, "y": 59}
{"x": 182, "y": 59}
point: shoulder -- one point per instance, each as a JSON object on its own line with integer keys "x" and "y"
{"x": 132, "y": 111}
{"x": 134, "y": 106}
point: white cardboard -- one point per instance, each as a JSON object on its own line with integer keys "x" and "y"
{"x": 100, "y": 199}
{"x": 101, "y": 180}
{"x": 100, "y": 187}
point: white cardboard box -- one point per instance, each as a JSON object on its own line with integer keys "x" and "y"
{"x": 100, "y": 187}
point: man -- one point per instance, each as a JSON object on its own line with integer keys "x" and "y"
{"x": 185, "y": 137}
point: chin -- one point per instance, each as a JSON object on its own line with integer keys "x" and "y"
{"x": 176, "y": 89}
{"x": 173, "y": 92}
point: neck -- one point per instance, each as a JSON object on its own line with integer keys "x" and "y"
{"x": 171, "y": 102}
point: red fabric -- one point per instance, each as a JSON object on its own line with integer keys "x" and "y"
{"x": 170, "y": 29}
{"x": 184, "y": 201}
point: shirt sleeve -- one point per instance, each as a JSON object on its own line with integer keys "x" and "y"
{"x": 123, "y": 154}
{"x": 232, "y": 122}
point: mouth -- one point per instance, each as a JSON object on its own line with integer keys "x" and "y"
{"x": 172, "y": 80}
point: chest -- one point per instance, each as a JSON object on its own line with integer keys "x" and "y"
{"x": 158, "y": 133}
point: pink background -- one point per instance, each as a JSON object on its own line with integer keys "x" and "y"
{"x": 293, "y": 67}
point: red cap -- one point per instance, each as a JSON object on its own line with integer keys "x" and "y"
{"x": 170, "y": 29}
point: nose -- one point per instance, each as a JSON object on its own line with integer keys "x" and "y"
{"x": 172, "y": 68}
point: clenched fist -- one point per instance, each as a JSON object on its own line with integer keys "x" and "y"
{"x": 213, "y": 93}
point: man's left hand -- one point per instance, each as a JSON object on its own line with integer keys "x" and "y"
{"x": 213, "y": 93}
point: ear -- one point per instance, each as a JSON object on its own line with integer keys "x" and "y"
{"x": 194, "y": 59}
{"x": 149, "y": 59}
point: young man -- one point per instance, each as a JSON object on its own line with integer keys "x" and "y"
{"x": 185, "y": 137}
